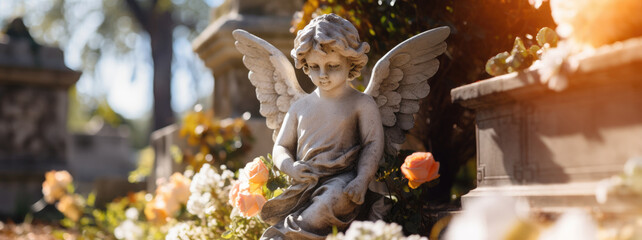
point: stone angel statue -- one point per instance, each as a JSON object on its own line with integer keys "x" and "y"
{"x": 331, "y": 141}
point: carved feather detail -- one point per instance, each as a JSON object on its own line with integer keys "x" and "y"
{"x": 400, "y": 79}
{"x": 273, "y": 76}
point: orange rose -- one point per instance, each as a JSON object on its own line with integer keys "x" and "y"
{"x": 420, "y": 167}
{"x": 55, "y": 185}
{"x": 71, "y": 206}
{"x": 249, "y": 204}
{"x": 257, "y": 172}
{"x": 156, "y": 211}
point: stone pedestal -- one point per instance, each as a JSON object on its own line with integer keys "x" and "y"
{"x": 552, "y": 147}
{"x": 33, "y": 117}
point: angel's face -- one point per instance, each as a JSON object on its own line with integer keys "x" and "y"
{"x": 329, "y": 70}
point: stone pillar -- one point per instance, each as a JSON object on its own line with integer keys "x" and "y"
{"x": 270, "y": 20}
{"x": 33, "y": 116}
{"x": 552, "y": 148}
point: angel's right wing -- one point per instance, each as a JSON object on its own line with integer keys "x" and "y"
{"x": 273, "y": 76}
{"x": 400, "y": 79}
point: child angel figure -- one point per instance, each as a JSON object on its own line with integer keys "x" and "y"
{"x": 331, "y": 141}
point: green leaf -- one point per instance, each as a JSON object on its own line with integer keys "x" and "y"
{"x": 70, "y": 188}
{"x": 227, "y": 234}
{"x": 450, "y": 9}
{"x": 272, "y": 184}
{"x": 176, "y": 153}
{"x": 496, "y": 65}
{"x": 547, "y": 35}
{"x": 277, "y": 192}
{"x": 91, "y": 199}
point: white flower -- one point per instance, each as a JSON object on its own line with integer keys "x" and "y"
{"x": 131, "y": 213}
{"x": 574, "y": 224}
{"x": 128, "y": 230}
{"x": 178, "y": 232}
{"x": 374, "y": 230}
{"x": 536, "y": 3}
{"x": 484, "y": 219}
{"x": 551, "y": 66}
{"x": 198, "y": 202}
{"x": 204, "y": 180}
{"x": 633, "y": 166}
{"x": 189, "y": 231}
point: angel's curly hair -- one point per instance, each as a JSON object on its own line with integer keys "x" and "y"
{"x": 332, "y": 31}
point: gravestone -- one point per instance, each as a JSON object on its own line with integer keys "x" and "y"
{"x": 552, "y": 148}
{"x": 33, "y": 116}
{"x": 100, "y": 160}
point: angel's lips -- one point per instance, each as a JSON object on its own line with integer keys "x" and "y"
{"x": 323, "y": 83}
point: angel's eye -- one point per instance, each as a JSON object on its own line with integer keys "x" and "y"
{"x": 314, "y": 66}
{"x": 334, "y": 66}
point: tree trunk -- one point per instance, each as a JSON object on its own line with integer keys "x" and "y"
{"x": 160, "y": 33}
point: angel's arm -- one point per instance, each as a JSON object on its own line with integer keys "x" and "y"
{"x": 284, "y": 150}
{"x": 372, "y": 141}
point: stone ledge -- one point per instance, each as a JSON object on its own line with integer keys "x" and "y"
{"x": 215, "y": 44}
{"x": 616, "y": 63}
{"x": 38, "y": 77}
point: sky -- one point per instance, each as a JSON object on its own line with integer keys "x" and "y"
{"x": 126, "y": 81}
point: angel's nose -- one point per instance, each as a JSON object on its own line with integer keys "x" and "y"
{"x": 323, "y": 73}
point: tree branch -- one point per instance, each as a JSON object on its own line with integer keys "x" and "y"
{"x": 139, "y": 14}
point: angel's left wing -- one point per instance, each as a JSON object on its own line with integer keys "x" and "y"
{"x": 400, "y": 79}
{"x": 273, "y": 76}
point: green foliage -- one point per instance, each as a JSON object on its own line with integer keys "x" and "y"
{"x": 408, "y": 204}
{"x": 520, "y": 57}
{"x": 145, "y": 165}
{"x": 217, "y": 141}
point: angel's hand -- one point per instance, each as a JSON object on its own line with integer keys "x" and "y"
{"x": 299, "y": 172}
{"x": 356, "y": 190}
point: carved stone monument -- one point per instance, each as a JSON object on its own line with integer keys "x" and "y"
{"x": 33, "y": 116}
{"x": 215, "y": 45}
{"x": 330, "y": 141}
{"x": 552, "y": 148}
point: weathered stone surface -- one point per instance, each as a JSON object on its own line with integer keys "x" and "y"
{"x": 233, "y": 93}
{"x": 552, "y": 147}
{"x": 33, "y": 113}
{"x": 100, "y": 156}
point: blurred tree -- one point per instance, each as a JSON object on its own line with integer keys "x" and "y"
{"x": 119, "y": 24}
{"x": 479, "y": 30}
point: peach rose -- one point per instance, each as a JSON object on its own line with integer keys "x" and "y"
{"x": 180, "y": 187}
{"x": 420, "y": 167}
{"x": 249, "y": 204}
{"x": 156, "y": 211}
{"x": 257, "y": 172}
{"x": 55, "y": 185}
{"x": 234, "y": 192}
{"x": 71, "y": 206}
